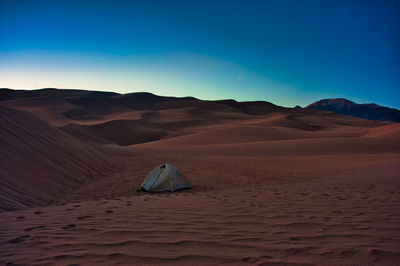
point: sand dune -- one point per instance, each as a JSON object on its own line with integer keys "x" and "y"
{"x": 271, "y": 185}
{"x": 246, "y": 133}
{"x": 295, "y": 147}
{"x": 145, "y": 117}
{"x": 121, "y": 132}
{"x": 387, "y": 131}
{"x": 39, "y": 162}
{"x": 177, "y": 127}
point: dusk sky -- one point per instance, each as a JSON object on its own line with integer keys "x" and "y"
{"x": 287, "y": 52}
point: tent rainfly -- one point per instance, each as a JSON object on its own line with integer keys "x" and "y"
{"x": 165, "y": 177}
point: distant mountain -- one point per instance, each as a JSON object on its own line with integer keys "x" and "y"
{"x": 369, "y": 111}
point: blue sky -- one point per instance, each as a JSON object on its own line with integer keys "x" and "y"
{"x": 287, "y": 51}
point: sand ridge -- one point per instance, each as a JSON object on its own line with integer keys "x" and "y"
{"x": 40, "y": 162}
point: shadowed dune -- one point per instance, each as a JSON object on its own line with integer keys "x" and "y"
{"x": 39, "y": 162}
{"x": 121, "y": 132}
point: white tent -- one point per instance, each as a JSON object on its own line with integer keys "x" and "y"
{"x": 165, "y": 177}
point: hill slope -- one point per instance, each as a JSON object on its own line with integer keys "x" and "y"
{"x": 40, "y": 162}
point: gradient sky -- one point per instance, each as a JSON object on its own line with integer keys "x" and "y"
{"x": 286, "y": 51}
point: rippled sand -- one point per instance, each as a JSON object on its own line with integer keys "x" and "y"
{"x": 352, "y": 218}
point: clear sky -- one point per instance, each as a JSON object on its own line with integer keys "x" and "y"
{"x": 286, "y": 51}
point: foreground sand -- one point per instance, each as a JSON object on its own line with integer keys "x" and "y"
{"x": 351, "y": 217}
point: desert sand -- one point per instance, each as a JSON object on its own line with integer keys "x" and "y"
{"x": 271, "y": 185}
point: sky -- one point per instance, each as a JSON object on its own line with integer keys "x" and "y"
{"x": 288, "y": 52}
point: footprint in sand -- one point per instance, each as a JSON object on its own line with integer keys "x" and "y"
{"x": 32, "y": 228}
{"x": 383, "y": 254}
{"x": 18, "y": 239}
{"x": 84, "y": 217}
{"x": 250, "y": 259}
{"x": 68, "y": 226}
{"x": 348, "y": 253}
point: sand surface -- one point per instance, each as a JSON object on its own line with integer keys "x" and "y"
{"x": 270, "y": 185}
{"x": 337, "y": 220}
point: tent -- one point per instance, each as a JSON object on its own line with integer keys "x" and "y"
{"x": 165, "y": 177}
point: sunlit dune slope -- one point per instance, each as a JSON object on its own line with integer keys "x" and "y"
{"x": 386, "y": 131}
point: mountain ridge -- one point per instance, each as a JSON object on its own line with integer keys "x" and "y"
{"x": 370, "y": 111}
